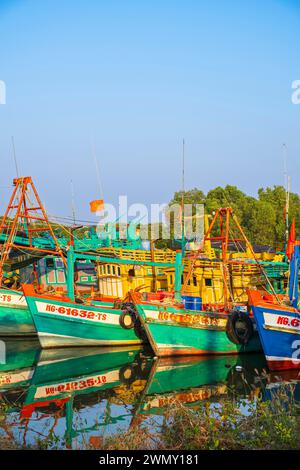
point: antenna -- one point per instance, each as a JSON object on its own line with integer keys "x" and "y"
{"x": 73, "y": 203}
{"x": 287, "y": 182}
{"x": 182, "y": 199}
{"x": 14, "y": 156}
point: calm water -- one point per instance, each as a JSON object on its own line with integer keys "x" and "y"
{"x": 72, "y": 398}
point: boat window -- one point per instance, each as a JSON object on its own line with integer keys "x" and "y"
{"x": 59, "y": 263}
{"x": 61, "y": 279}
{"x": 131, "y": 272}
{"x": 208, "y": 282}
{"x": 51, "y": 277}
{"x": 113, "y": 270}
{"x": 50, "y": 263}
{"x": 194, "y": 281}
{"x": 108, "y": 269}
{"x": 119, "y": 271}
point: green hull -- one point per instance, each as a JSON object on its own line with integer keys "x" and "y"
{"x": 62, "y": 323}
{"x": 15, "y": 318}
{"x": 175, "y": 332}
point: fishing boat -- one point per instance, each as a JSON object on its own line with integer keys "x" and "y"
{"x": 175, "y": 331}
{"x": 60, "y": 322}
{"x": 15, "y": 318}
{"x": 63, "y": 321}
{"x": 278, "y": 318}
{"x": 223, "y": 328}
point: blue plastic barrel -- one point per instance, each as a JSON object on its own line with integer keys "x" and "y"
{"x": 191, "y": 302}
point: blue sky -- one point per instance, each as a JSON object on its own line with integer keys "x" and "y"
{"x": 136, "y": 77}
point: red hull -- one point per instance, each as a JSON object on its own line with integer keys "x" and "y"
{"x": 283, "y": 365}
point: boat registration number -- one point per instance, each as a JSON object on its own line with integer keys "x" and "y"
{"x": 281, "y": 321}
{"x": 74, "y": 312}
{"x": 186, "y": 319}
{"x": 12, "y": 299}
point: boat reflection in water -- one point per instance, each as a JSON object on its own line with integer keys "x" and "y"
{"x": 16, "y": 370}
{"x": 73, "y": 398}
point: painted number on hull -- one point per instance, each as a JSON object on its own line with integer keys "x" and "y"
{"x": 294, "y": 322}
{"x": 5, "y": 298}
{"x": 281, "y": 321}
{"x": 73, "y": 312}
{"x": 185, "y": 319}
{"x": 12, "y": 299}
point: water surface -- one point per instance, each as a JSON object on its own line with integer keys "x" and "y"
{"x": 73, "y": 398}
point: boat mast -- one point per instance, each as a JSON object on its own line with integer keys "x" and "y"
{"x": 224, "y": 215}
{"x": 287, "y": 182}
{"x": 182, "y": 202}
{"x": 294, "y": 276}
{"x": 14, "y": 156}
{"x": 25, "y": 207}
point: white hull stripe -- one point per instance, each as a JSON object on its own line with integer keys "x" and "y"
{"x": 12, "y": 300}
{"x": 281, "y": 321}
{"x": 279, "y": 358}
{"x": 80, "y": 313}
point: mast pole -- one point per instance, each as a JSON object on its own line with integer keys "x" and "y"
{"x": 14, "y": 156}
{"x": 287, "y": 193}
{"x": 182, "y": 201}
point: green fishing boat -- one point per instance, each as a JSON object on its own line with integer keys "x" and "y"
{"x": 15, "y": 317}
{"x": 61, "y": 322}
{"x": 175, "y": 331}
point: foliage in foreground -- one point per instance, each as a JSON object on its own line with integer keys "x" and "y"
{"x": 234, "y": 425}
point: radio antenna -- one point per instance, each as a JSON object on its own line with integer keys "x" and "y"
{"x": 14, "y": 156}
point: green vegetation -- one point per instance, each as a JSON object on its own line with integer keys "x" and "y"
{"x": 262, "y": 217}
{"x": 229, "y": 425}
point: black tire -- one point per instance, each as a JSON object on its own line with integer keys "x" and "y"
{"x": 126, "y": 320}
{"x": 239, "y": 328}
